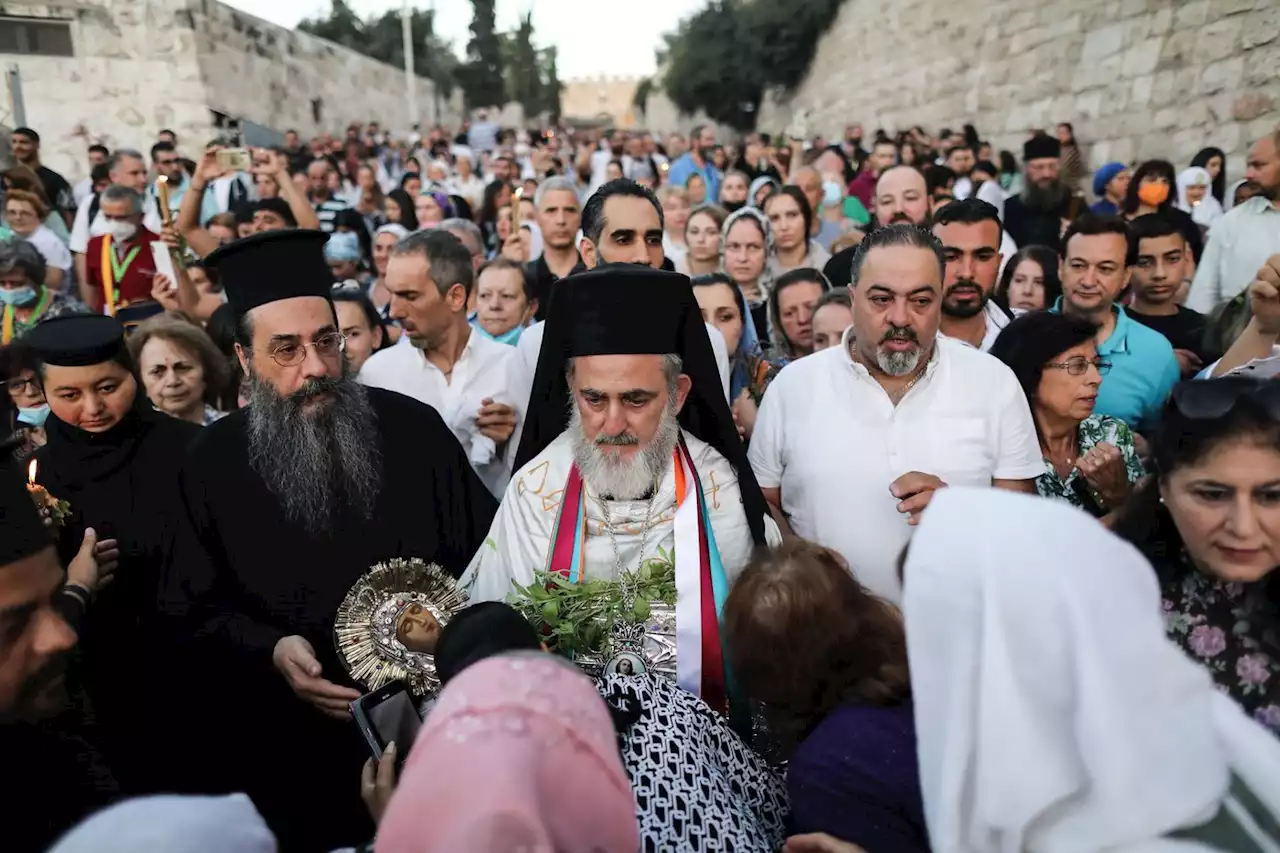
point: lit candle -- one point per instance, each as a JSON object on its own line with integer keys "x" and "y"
{"x": 50, "y": 507}
{"x": 162, "y": 190}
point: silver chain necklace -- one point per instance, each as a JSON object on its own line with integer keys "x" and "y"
{"x": 629, "y": 581}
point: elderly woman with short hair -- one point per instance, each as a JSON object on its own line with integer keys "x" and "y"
{"x": 24, "y": 298}
{"x": 1090, "y": 460}
{"x": 182, "y": 370}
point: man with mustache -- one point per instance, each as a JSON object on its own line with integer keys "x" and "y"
{"x": 63, "y": 780}
{"x": 852, "y": 442}
{"x": 970, "y": 232}
{"x": 286, "y": 503}
{"x": 630, "y": 452}
{"x": 1041, "y": 213}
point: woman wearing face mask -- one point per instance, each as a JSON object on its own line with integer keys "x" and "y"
{"x": 1151, "y": 190}
{"x": 115, "y": 460}
{"x": 792, "y": 221}
{"x": 702, "y": 237}
{"x": 733, "y": 191}
{"x": 748, "y": 243}
{"x": 24, "y": 299}
{"x": 1209, "y": 521}
{"x": 1194, "y": 197}
{"x": 504, "y": 299}
{"x": 26, "y": 406}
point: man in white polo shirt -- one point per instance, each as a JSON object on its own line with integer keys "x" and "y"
{"x": 851, "y": 442}
{"x": 969, "y": 231}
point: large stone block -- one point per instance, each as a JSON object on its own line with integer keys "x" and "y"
{"x": 1261, "y": 28}
{"x": 1251, "y": 106}
{"x": 1218, "y": 39}
{"x": 1102, "y": 43}
{"x": 1223, "y": 75}
{"x": 1143, "y": 57}
{"x": 1140, "y": 90}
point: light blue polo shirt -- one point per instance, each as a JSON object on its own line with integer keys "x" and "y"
{"x": 1143, "y": 372}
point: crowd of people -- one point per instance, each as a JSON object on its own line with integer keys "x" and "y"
{"x": 928, "y": 496}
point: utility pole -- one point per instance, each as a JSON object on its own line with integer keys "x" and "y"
{"x": 410, "y": 81}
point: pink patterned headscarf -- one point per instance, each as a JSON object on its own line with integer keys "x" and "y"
{"x": 519, "y": 753}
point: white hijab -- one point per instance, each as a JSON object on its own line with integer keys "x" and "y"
{"x": 1208, "y": 211}
{"x": 173, "y": 824}
{"x": 1052, "y": 714}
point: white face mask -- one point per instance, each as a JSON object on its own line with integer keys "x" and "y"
{"x": 121, "y": 231}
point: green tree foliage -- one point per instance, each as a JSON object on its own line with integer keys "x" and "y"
{"x": 524, "y": 76}
{"x": 552, "y": 88}
{"x": 722, "y": 59}
{"x": 481, "y": 76}
{"x": 643, "y": 91}
{"x": 381, "y": 38}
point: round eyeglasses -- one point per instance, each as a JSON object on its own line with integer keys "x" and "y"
{"x": 326, "y": 346}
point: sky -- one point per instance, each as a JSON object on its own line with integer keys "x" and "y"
{"x": 587, "y": 44}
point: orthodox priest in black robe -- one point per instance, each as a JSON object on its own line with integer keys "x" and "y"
{"x": 114, "y": 459}
{"x": 286, "y": 503}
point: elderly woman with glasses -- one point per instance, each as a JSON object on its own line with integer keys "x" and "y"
{"x": 1090, "y": 460}
{"x": 24, "y": 298}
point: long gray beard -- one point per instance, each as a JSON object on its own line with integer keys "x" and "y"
{"x": 628, "y": 479}
{"x": 1048, "y": 198}
{"x": 318, "y": 462}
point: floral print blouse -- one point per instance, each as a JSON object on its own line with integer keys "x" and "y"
{"x": 1092, "y": 430}
{"x": 1232, "y": 630}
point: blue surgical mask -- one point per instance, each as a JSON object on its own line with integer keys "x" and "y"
{"x": 832, "y": 192}
{"x": 20, "y": 296}
{"x": 34, "y": 416}
{"x": 510, "y": 337}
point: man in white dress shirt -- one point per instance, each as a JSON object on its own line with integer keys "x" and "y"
{"x": 126, "y": 167}
{"x": 852, "y": 442}
{"x": 970, "y": 232}
{"x": 464, "y": 375}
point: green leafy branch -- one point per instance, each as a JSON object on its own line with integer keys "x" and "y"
{"x": 575, "y": 618}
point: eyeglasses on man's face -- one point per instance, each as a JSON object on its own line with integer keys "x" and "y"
{"x": 293, "y": 354}
{"x": 1080, "y": 365}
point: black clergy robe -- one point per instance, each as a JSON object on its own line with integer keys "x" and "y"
{"x": 124, "y": 484}
{"x": 242, "y": 576}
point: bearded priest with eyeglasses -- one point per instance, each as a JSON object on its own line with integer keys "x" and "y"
{"x": 630, "y": 453}
{"x": 287, "y": 502}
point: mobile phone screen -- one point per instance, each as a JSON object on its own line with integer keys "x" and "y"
{"x": 396, "y": 719}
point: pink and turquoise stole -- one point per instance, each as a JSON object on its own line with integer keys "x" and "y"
{"x": 701, "y": 586}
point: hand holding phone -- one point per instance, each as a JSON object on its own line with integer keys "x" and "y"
{"x": 388, "y": 715}
{"x": 235, "y": 159}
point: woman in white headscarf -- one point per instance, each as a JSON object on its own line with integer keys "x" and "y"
{"x": 173, "y": 824}
{"x": 1051, "y": 712}
{"x": 1195, "y": 197}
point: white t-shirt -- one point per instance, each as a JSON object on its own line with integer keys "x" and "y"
{"x": 829, "y": 437}
{"x": 484, "y": 370}
{"x": 82, "y": 231}
{"x": 51, "y": 248}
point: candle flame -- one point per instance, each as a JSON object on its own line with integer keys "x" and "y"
{"x": 519, "y": 192}
{"x": 31, "y": 471}
{"x": 162, "y": 180}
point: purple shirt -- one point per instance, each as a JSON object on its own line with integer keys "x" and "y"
{"x": 856, "y": 777}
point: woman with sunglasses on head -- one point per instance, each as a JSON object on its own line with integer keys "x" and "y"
{"x": 1090, "y": 460}
{"x": 1209, "y": 521}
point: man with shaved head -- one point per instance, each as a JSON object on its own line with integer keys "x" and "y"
{"x": 809, "y": 181}
{"x": 902, "y": 196}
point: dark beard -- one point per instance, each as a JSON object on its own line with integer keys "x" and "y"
{"x": 1045, "y": 199}
{"x": 41, "y": 696}
{"x": 319, "y": 462}
{"x": 964, "y": 310}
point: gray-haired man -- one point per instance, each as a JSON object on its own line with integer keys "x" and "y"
{"x": 118, "y": 267}
{"x": 126, "y": 168}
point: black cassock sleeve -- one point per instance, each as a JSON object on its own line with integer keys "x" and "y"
{"x": 464, "y": 506}
{"x": 198, "y": 593}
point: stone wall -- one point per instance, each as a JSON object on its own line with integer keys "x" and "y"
{"x": 1139, "y": 78}
{"x": 142, "y": 66}
{"x": 134, "y": 72}
{"x": 273, "y": 76}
